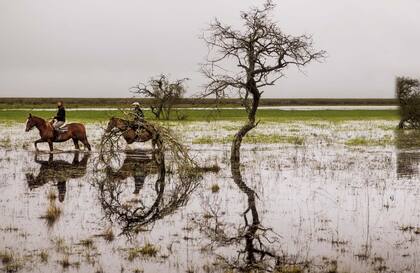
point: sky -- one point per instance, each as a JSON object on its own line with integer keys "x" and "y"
{"x": 101, "y": 48}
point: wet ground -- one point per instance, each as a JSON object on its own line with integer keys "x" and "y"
{"x": 307, "y": 197}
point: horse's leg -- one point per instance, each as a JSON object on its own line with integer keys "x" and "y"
{"x": 157, "y": 147}
{"x": 36, "y": 143}
{"x": 86, "y": 143}
{"x": 154, "y": 149}
{"x": 50, "y": 143}
{"x": 76, "y": 143}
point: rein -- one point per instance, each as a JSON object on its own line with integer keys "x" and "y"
{"x": 40, "y": 124}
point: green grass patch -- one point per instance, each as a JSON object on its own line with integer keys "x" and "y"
{"x": 207, "y": 140}
{"x": 269, "y": 115}
{"x": 252, "y": 139}
{"x": 363, "y": 141}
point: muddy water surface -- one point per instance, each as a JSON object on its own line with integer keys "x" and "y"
{"x": 327, "y": 204}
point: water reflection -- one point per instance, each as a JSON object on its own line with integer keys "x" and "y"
{"x": 58, "y": 172}
{"x": 408, "y": 153}
{"x": 157, "y": 193}
{"x": 136, "y": 164}
{"x": 256, "y": 246}
{"x": 257, "y": 253}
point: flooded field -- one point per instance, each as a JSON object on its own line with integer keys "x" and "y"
{"x": 310, "y": 196}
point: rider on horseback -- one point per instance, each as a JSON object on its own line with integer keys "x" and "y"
{"x": 138, "y": 116}
{"x": 60, "y": 117}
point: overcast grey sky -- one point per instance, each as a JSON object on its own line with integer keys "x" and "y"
{"x": 99, "y": 48}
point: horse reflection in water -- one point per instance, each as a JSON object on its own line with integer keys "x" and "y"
{"x": 58, "y": 172}
{"x": 408, "y": 153}
{"x": 158, "y": 198}
{"x": 137, "y": 165}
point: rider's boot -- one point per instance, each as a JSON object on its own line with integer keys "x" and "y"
{"x": 56, "y": 133}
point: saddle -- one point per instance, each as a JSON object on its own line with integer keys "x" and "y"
{"x": 63, "y": 129}
{"x": 59, "y": 131}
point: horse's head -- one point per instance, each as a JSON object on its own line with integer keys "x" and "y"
{"x": 111, "y": 125}
{"x": 30, "y": 123}
{"x": 116, "y": 123}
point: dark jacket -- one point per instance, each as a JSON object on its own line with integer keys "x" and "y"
{"x": 61, "y": 114}
{"x": 138, "y": 114}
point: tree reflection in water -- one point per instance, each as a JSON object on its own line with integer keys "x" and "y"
{"x": 257, "y": 254}
{"x": 256, "y": 246}
{"x": 408, "y": 153}
{"x": 164, "y": 192}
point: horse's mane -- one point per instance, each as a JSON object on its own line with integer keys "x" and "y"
{"x": 41, "y": 120}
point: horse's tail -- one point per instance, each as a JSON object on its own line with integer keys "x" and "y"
{"x": 84, "y": 140}
{"x": 80, "y": 133}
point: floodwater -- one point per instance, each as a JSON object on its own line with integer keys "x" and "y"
{"x": 324, "y": 205}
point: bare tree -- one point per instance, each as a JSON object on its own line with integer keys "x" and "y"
{"x": 261, "y": 52}
{"x": 165, "y": 94}
{"x": 408, "y": 94}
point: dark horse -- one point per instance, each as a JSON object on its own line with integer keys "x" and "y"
{"x": 129, "y": 134}
{"x": 58, "y": 172}
{"x": 74, "y": 131}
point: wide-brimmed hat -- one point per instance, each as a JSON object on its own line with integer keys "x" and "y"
{"x": 135, "y": 103}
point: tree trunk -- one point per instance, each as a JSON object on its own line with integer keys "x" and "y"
{"x": 237, "y": 140}
{"x": 401, "y": 124}
{"x": 157, "y": 111}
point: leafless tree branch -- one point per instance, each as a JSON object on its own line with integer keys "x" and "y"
{"x": 253, "y": 57}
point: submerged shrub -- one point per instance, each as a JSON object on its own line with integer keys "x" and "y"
{"x": 10, "y": 261}
{"x": 52, "y": 214}
{"x": 88, "y": 243}
{"x": 148, "y": 250}
{"x": 65, "y": 262}
{"x": 51, "y": 195}
{"x": 108, "y": 234}
{"x": 44, "y": 256}
{"x": 215, "y": 188}
{"x": 6, "y": 257}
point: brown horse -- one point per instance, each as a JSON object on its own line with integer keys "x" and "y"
{"x": 129, "y": 134}
{"x": 74, "y": 131}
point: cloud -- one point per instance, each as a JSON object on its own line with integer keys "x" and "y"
{"x": 101, "y": 48}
